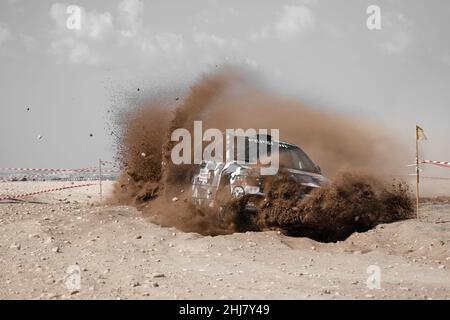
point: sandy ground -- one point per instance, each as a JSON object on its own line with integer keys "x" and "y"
{"x": 121, "y": 255}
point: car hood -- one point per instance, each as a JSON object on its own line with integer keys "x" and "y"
{"x": 310, "y": 179}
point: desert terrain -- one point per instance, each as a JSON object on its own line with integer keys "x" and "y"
{"x": 121, "y": 254}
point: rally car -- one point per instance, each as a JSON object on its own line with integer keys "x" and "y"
{"x": 217, "y": 182}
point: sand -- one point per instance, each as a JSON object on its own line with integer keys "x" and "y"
{"x": 122, "y": 255}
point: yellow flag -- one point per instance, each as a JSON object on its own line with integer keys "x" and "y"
{"x": 420, "y": 134}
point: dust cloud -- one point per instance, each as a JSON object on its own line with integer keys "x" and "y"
{"x": 355, "y": 154}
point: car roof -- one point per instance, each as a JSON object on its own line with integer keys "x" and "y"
{"x": 266, "y": 137}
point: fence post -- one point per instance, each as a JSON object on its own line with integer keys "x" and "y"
{"x": 100, "y": 178}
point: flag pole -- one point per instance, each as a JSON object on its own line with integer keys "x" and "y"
{"x": 417, "y": 173}
{"x": 100, "y": 179}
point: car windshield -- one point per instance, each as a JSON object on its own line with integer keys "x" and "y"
{"x": 295, "y": 158}
{"x": 290, "y": 157}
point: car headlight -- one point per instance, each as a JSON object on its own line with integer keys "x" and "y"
{"x": 237, "y": 192}
{"x": 251, "y": 189}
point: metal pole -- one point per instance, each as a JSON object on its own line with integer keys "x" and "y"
{"x": 100, "y": 179}
{"x": 417, "y": 175}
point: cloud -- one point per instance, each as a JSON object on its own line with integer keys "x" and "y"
{"x": 398, "y": 44}
{"x": 397, "y": 31}
{"x": 28, "y": 42}
{"x": 130, "y": 16}
{"x": 251, "y": 63}
{"x": 263, "y": 33}
{"x": 104, "y": 37}
{"x": 210, "y": 42}
{"x": 292, "y": 22}
{"x": 121, "y": 37}
{"x": 75, "y": 51}
{"x": 5, "y": 35}
{"x": 204, "y": 40}
{"x": 170, "y": 43}
{"x": 94, "y": 25}
{"x": 133, "y": 33}
{"x": 79, "y": 46}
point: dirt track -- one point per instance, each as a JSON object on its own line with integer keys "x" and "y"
{"x": 122, "y": 255}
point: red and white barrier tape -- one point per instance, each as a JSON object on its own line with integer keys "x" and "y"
{"x": 49, "y": 170}
{"x": 2, "y": 198}
{"x": 438, "y": 163}
{"x": 44, "y": 177}
{"x": 106, "y": 162}
{"x": 85, "y": 170}
{"x": 109, "y": 171}
{"x": 28, "y": 177}
{"x": 435, "y": 178}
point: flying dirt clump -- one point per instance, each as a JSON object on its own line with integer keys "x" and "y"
{"x": 142, "y": 133}
{"x": 228, "y": 99}
{"x": 351, "y": 202}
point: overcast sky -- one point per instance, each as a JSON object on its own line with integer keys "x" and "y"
{"x": 320, "y": 51}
